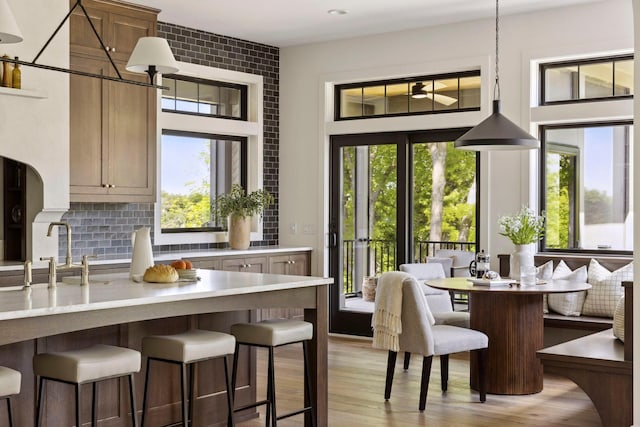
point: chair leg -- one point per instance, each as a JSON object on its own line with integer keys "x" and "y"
{"x": 191, "y": 391}
{"x": 78, "y": 405}
{"x": 9, "y": 415}
{"x": 39, "y": 404}
{"x": 134, "y": 412}
{"x": 444, "y": 371}
{"x": 391, "y": 364}
{"x": 225, "y": 361}
{"x": 272, "y": 386}
{"x": 234, "y": 371}
{"x": 407, "y": 359}
{"x": 144, "y": 395}
{"x": 183, "y": 393}
{"x": 307, "y": 380}
{"x": 94, "y": 398}
{"x": 424, "y": 383}
{"x": 481, "y": 355}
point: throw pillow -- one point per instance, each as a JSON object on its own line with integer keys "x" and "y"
{"x": 446, "y": 262}
{"x": 618, "y": 320}
{"x": 568, "y": 304}
{"x": 606, "y": 289}
{"x": 544, "y": 272}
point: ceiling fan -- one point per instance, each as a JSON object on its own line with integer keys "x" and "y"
{"x": 419, "y": 91}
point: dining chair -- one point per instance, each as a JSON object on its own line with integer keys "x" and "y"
{"x": 402, "y": 321}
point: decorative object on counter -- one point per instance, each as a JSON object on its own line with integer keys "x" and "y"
{"x": 16, "y": 76}
{"x": 160, "y": 273}
{"x": 185, "y": 269}
{"x": 524, "y": 229}
{"x": 480, "y": 265}
{"x": 6, "y": 72}
{"x": 142, "y": 256}
{"x": 240, "y": 207}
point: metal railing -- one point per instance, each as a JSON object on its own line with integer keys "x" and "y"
{"x": 370, "y": 257}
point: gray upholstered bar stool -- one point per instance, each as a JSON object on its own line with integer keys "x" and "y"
{"x": 186, "y": 349}
{"x": 9, "y": 386}
{"x": 270, "y": 334}
{"x": 86, "y": 366}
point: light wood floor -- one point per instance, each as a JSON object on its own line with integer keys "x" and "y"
{"x": 356, "y": 388}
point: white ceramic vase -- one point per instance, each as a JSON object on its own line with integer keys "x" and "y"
{"x": 521, "y": 256}
{"x": 239, "y": 231}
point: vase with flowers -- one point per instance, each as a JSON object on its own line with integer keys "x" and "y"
{"x": 524, "y": 229}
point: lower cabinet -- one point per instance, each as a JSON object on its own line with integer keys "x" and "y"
{"x": 294, "y": 264}
{"x": 245, "y": 264}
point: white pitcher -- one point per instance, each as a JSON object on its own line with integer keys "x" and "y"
{"x": 142, "y": 256}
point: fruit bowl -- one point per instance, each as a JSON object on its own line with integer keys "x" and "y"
{"x": 188, "y": 274}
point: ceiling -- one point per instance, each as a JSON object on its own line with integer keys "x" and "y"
{"x": 293, "y": 22}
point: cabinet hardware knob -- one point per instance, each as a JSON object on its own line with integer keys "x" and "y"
{"x": 248, "y": 265}
{"x": 113, "y": 49}
{"x": 293, "y": 262}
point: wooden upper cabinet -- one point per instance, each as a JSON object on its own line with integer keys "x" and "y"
{"x": 113, "y": 125}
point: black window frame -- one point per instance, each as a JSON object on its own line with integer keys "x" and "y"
{"x": 409, "y": 81}
{"x": 543, "y": 182}
{"x": 244, "y": 96}
{"x": 244, "y": 141}
{"x": 543, "y": 67}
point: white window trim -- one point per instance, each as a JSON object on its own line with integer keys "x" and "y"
{"x": 251, "y": 129}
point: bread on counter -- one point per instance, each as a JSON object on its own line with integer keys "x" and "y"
{"x": 160, "y": 273}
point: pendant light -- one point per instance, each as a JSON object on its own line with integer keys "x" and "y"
{"x": 9, "y": 31}
{"x": 496, "y": 132}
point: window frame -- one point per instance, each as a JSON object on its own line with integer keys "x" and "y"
{"x": 543, "y": 182}
{"x": 252, "y": 129}
{"x": 409, "y": 81}
{"x": 544, "y": 66}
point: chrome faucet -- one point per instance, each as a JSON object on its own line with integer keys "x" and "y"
{"x": 67, "y": 262}
{"x": 52, "y": 270}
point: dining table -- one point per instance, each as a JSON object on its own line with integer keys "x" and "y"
{"x": 512, "y": 317}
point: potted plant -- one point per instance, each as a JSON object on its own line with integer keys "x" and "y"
{"x": 240, "y": 207}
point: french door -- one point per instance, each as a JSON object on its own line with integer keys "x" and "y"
{"x": 387, "y": 205}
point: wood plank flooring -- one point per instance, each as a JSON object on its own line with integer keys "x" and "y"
{"x": 356, "y": 387}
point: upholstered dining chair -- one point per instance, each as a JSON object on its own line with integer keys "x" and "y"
{"x": 402, "y": 321}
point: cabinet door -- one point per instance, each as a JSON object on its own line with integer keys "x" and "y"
{"x": 81, "y": 37}
{"x": 88, "y": 109}
{"x": 132, "y": 128}
{"x": 295, "y": 264}
{"x": 208, "y": 264}
{"x": 125, "y": 32}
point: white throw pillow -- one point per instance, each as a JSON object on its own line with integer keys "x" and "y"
{"x": 568, "y": 304}
{"x": 606, "y": 289}
{"x": 544, "y": 272}
{"x": 618, "y": 320}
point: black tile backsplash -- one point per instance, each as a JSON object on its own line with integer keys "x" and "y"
{"x": 104, "y": 229}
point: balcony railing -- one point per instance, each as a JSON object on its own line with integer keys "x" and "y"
{"x": 370, "y": 257}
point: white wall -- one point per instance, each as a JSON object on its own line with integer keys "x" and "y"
{"x": 306, "y": 71}
{"x": 36, "y": 131}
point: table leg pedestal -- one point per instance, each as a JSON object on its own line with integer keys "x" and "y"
{"x": 514, "y": 324}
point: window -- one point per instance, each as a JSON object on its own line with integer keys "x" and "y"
{"x": 417, "y": 95}
{"x": 204, "y": 97}
{"x": 587, "y": 186}
{"x": 195, "y": 169}
{"x": 587, "y": 80}
{"x": 211, "y": 135}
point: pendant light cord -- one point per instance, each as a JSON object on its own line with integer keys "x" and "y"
{"x": 496, "y": 88}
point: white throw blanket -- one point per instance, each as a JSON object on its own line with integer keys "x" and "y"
{"x": 386, "y": 322}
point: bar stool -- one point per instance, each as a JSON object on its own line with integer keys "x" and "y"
{"x": 186, "y": 349}
{"x": 9, "y": 386}
{"x": 270, "y": 334}
{"x": 86, "y": 366}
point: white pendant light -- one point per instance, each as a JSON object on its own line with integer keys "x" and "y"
{"x": 9, "y": 31}
{"x": 496, "y": 132}
{"x": 152, "y": 55}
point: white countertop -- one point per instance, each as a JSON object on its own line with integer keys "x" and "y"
{"x": 170, "y": 256}
{"x": 111, "y": 291}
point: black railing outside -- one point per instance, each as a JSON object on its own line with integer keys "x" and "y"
{"x": 380, "y": 256}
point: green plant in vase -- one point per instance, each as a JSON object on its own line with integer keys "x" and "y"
{"x": 240, "y": 207}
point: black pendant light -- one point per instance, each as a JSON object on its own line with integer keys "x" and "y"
{"x": 417, "y": 91}
{"x": 496, "y": 132}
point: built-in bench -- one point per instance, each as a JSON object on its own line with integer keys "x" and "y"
{"x": 602, "y": 366}
{"x": 569, "y": 327}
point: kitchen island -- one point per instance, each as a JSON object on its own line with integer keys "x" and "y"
{"x": 114, "y": 310}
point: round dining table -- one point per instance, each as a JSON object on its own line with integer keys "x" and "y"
{"x": 511, "y": 316}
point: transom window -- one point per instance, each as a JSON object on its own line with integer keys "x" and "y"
{"x": 586, "y": 182}
{"x": 410, "y": 96}
{"x": 586, "y": 80}
{"x": 204, "y": 97}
